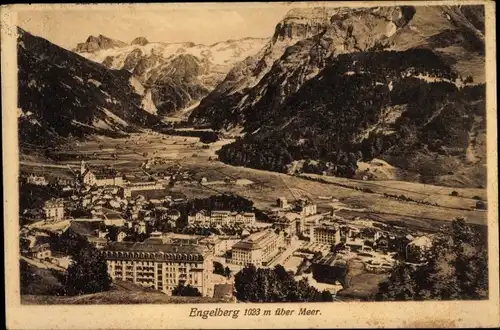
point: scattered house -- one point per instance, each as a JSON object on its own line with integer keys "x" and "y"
{"x": 214, "y": 243}
{"x": 101, "y": 177}
{"x": 140, "y": 227}
{"x": 86, "y": 202}
{"x": 121, "y": 236}
{"x": 417, "y": 249}
{"x": 101, "y": 232}
{"x": 221, "y": 218}
{"x": 305, "y": 208}
{"x": 98, "y": 242}
{"x": 54, "y": 210}
{"x": 38, "y": 180}
{"x": 114, "y": 204}
{"x": 34, "y": 213}
{"x": 203, "y": 180}
{"x": 39, "y": 251}
{"x": 173, "y": 215}
{"x": 282, "y": 203}
{"x": 113, "y": 218}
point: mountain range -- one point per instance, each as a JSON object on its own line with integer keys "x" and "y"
{"x": 337, "y": 86}
{"x": 330, "y": 90}
{"x": 62, "y": 94}
{"x": 176, "y": 76}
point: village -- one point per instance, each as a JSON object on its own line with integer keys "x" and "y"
{"x": 158, "y": 240}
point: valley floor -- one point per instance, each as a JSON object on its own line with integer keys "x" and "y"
{"x": 263, "y": 187}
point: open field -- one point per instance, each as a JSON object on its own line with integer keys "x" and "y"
{"x": 126, "y": 154}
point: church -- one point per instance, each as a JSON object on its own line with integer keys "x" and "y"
{"x": 100, "y": 177}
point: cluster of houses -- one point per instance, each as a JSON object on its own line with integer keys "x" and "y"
{"x": 111, "y": 208}
{"x": 221, "y": 218}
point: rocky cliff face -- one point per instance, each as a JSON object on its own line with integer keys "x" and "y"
{"x": 62, "y": 94}
{"x": 100, "y": 42}
{"x": 179, "y": 75}
{"x": 346, "y": 84}
{"x": 305, "y": 38}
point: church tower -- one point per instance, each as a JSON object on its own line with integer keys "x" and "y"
{"x": 82, "y": 167}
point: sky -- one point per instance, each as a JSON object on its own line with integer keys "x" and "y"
{"x": 198, "y": 23}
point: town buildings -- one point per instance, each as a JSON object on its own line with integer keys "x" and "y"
{"x": 101, "y": 177}
{"x": 325, "y": 233}
{"x": 257, "y": 249}
{"x": 38, "y": 180}
{"x": 130, "y": 187}
{"x": 282, "y": 203}
{"x": 305, "y": 208}
{"x": 163, "y": 266}
{"x": 222, "y": 218}
{"x": 54, "y": 210}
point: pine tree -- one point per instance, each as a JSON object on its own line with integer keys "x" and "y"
{"x": 87, "y": 272}
{"x": 457, "y": 269}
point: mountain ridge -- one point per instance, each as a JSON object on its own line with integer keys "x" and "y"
{"x": 151, "y": 63}
{"x": 263, "y": 95}
{"x": 62, "y": 94}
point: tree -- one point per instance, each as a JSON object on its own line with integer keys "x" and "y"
{"x": 186, "y": 291}
{"x": 456, "y": 269}
{"x": 227, "y": 272}
{"x": 218, "y": 268}
{"x": 87, "y": 273}
{"x": 273, "y": 285}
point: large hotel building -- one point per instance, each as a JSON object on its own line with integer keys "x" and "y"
{"x": 257, "y": 249}
{"x": 164, "y": 266}
{"x": 325, "y": 234}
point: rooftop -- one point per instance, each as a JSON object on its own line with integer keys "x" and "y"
{"x": 257, "y": 240}
{"x": 157, "y": 247}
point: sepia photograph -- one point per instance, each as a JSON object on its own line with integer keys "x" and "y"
{"x": 232, "y": 162}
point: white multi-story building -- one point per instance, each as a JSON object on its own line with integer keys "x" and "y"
{"x": 325, "y": 234}
{"x": 257, "y": 249}
{"x": 222, "y": 218}
{"x": 163, "y": 266}
{"x": 102, "y": 177}
{"x": 305, "y": 208}
{"x": 37, "y": 180}
{"x": 54, "y": 210}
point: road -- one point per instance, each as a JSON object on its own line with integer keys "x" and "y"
{"x": 287, "y": 253}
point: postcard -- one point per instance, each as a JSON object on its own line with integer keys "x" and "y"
{"x": 250, "y": 165}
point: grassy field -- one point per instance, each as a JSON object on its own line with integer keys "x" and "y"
{"x": 122, "y": 293}
{"x": 126, "y": 154}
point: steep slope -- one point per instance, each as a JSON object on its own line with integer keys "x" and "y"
{"x": 306, "y": 37}
{"x": 391, "y": 83}
{"x": 63, "y": 94}
{"x": 176, "y": 75}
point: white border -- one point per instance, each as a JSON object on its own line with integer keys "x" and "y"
{"x": 348, "y": 315}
